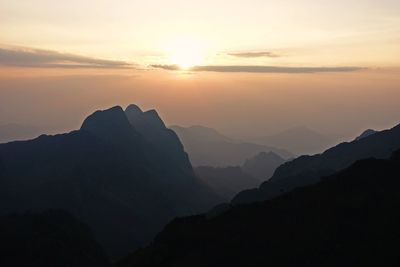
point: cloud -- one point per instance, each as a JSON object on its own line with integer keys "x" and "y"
{"x": 38, "y": 58}
{"x": 261, "y": 69}
{"x": 254, "y": 54}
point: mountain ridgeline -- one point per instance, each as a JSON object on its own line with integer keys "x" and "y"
{"x": 307, "y": 170}
{"x": 350, "y": 218}
{"x": 123, "y": 173}
{"x": 94, "y": 195}
{"x": 228, "y": 181}
{"x": 207, "y": 147}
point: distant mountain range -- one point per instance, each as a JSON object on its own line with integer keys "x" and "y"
{"x": 298, "y": 140}
{"x": 107, "y": 189}
{"x": 123, "y": 173}
{"x": 307, "y": 170}
{"x": 350, "y": 218}
{"x": 207, "y": 147}
{"x": 228, "y": 181}
{"x": 263, "y": 165}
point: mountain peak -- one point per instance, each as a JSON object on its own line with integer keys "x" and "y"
{"x": 153, "y": 118}
{"x": 263, "y": 165}
{"x": 140, "y": 119}
{"x": 133, "y": 109}
{"x": 106, "y": 122}
{"x": 366, "y": 133}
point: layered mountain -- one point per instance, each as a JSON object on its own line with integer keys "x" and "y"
{"x": 226, "y": 181}
{"x": 207, "y": 147}
{"x": 307, "y": 170}
{"x": 263, "y": 165}
{"x": 122, "y": 173}
{"x": 299, "y": 140}
{"x": 350, "y": 218}
{"x": 48, "y": 239}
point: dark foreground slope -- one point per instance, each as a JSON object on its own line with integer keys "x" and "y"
{"x": 123, "y": 184}
{"x": 349, "y": 219}
{"x": 48, "y": 239}
{"x": 307, "y": 170}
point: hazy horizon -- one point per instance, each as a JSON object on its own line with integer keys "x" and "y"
{"x": 239, "y": 105}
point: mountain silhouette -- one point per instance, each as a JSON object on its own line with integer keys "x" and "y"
{"x": 124, "y": 175}
{"x": 263, "y": 165}
{"x": 299, "y": 140}
{"x": 226, "y": 181}
{"x": 366, "y": 133}
{"x": 48, "y": 239}
{"x": 348, "y": 219}
{"x": 308, "y": 169}
{"x": 207, "y": 147}
{"x": 163, "y": 140}
{"x": 13, "y": 131}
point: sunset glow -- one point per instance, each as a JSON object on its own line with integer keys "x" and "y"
{"x": 257, "y": 67}
{"x": 186, "y": 53}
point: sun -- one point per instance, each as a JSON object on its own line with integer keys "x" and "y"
{"x": 186, "y": 53}
{"x": 185, "y": 58}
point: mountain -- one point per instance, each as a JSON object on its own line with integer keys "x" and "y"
{"x": 263, "y": 165}
{"x": 48, "y": 239}
{"x": 350, "y": 218}
{"x": 207, "y": 147}
{"x": 226, "y": 181}
{"x": 308, "y": 169}
{"x": 163, "y": 140}
{"x": 366, "y": 133}
{"x": 299, "y": 140}
{"x": 12, "y": 131}
{"x": 124, "y": 175}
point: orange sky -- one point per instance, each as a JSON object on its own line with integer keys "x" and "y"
{"x": 239, "y": 104}
{"x": 305, "y": 32}
{"x": 246, "y": 68}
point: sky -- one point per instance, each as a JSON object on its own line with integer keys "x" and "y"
{"x": 245, "y": 67}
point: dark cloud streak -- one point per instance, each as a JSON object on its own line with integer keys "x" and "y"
{"x": 260, "y": 69}
{"x": 37, "y": 58}
{"x": 254, "y": 54}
